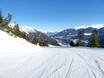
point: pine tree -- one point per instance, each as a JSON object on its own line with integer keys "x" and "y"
{"x": 4, "y": 22}
{"x": 81, "y": 38}
{"x": 71, "y": 43}
{"x": 23, "y": 35}
{"x": 16, "y": 30}
{"x": 1, "y": 18}
{"x": 94, "y": 40}
{"x": 35, "y": 41}
{"x": 9, "y": 18}
{"x": 46, "y": 42}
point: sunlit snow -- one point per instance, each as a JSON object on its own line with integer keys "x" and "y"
{"x": 20, "y": 59}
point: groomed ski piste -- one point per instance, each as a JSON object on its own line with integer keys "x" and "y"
{"x": 21, "y": 59}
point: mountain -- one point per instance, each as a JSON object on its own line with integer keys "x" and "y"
{"x": 72, "y": 33}
{"x": 27, "y": 29}
{"x": 50, "y": 33}
{"x": 32, "y": 35}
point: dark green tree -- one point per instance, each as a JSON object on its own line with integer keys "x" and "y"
{"x": 35, "y": 41}
{"x": 9, "y": 18}
{"x": 71, "y": 43}
{"x": 4, "y": 22}
{"x": 81, "y": 38}
{"x": 23, "y": 35}
{"x": 46, "y": 43}
{"x": 16, "y": 30}
{"x": 94, "y": 39}
{"x": 1, "y": 17}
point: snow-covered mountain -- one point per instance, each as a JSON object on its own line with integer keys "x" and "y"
{"x": 72, "y": 33}
{"x": 27, "y": 29}
{"x": 21, "y": 59}
{"x": 50, "y": 33}
{"x": 97, "y": 26}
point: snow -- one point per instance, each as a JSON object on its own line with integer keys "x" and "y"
{"x": 27, "y": 29}
{"x": 12, "y": 25}
{"x": 52, "y": 46}
{"x": 24, "y": 28}
{"x": 98, "y": 26}
{"x": 87, "y": 34}
{"x": 20, "y": 59}
{"x": 14, "y": 45}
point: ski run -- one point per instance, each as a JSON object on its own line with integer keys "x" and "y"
{"x": 21, "y": 59}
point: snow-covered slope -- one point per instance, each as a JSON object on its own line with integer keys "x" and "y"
{"x": 12, "y": 44}
{"x": 20, "y": 59}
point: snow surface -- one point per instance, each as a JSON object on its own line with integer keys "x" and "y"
{"x": 14, "y": 45}
{"x": 20, "y": 59}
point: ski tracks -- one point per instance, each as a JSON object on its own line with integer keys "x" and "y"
{"x": 93, "y": 65}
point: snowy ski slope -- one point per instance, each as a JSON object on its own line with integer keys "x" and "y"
{"x": 20, "y": 59}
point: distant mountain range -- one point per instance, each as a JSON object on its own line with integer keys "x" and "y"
{"x": 34, "y": 34}
{"x": 50, "y": 33}
{"x": 72, "y": 33}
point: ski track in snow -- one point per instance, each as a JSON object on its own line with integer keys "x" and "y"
{"x": 21, "y": 59}
{"x": 54, "y": 63}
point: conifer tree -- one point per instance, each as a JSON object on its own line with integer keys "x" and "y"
{"x": 16, "y": 30}
{"x": 9, "y": 18}
{"x": 4, "y": 22}
{"x": 81, "y": 38}
{"x": 35, "y": 41}
{"x": 46, "y": 43}
{"x": 94, "y": 39}
{"x": 1, "y": 17}
{"x": 71, "y": 43}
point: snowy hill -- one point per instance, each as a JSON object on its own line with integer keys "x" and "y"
{"x": 20, "y": 59}
{"x": 11, "y": 44}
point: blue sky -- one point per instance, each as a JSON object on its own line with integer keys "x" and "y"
{"x": 54, "y": 14}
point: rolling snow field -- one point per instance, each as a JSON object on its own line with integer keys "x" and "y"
{"x": 20, "y": 59}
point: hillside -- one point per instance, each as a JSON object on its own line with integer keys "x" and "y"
{"x": 13, "y": 44}
{"x": 20, "y": 59}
